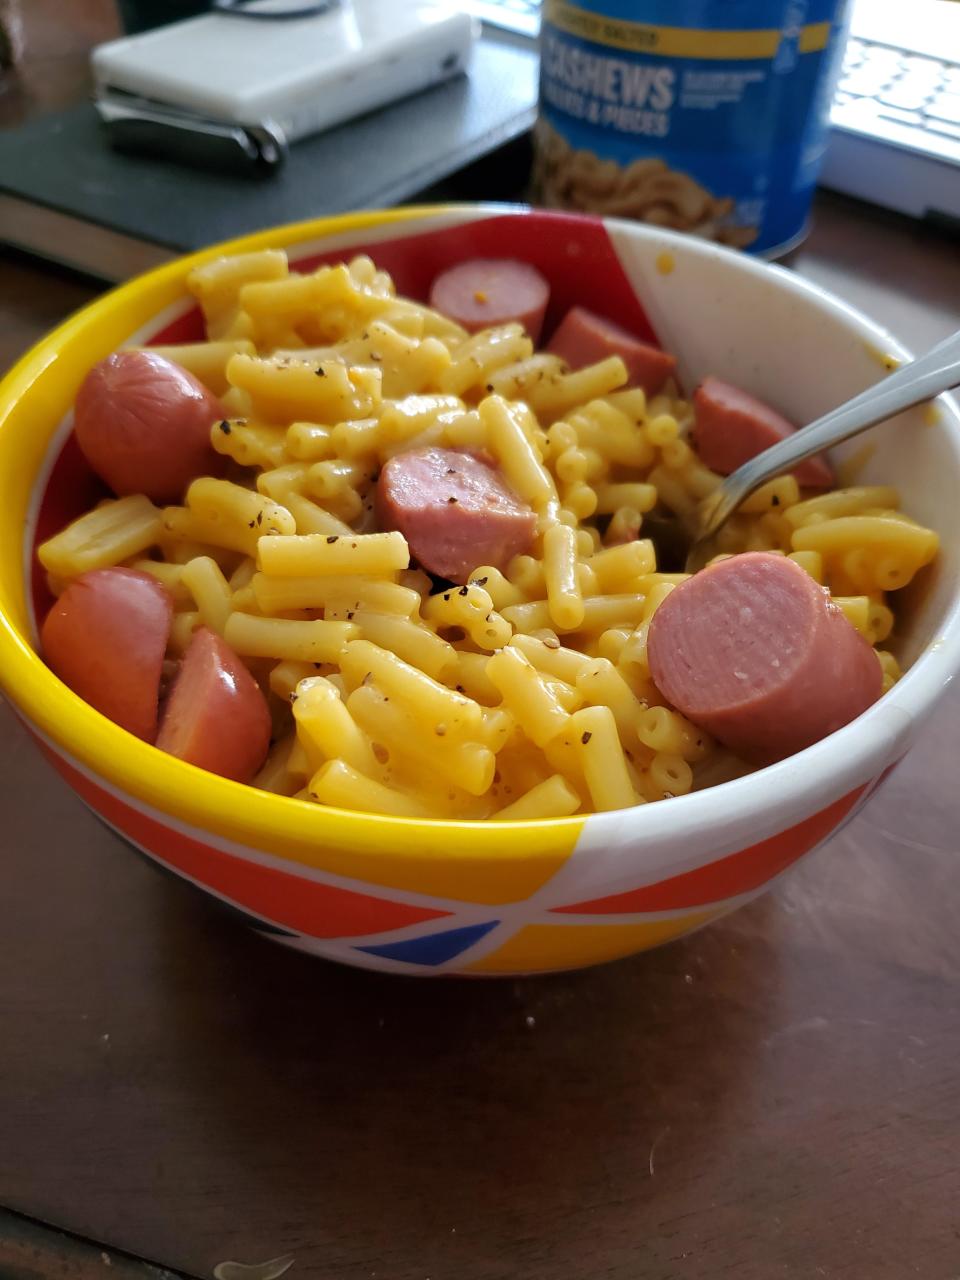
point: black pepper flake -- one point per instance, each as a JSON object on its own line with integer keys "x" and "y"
{"x": 586, "y": 737}
{"x": 293, "y": 696}
{"x": 481, "y": 582}
{"x": 446, "y": 596}
{"x": 451, "y": 500}
{"x": 349, "y": 615}
{"x": 459, "y": 688}
{"x": 251, "y": 524}
{"x": 489, "y": 386}
{"x": 320, "y": 371}
{"x": 225, "y": 427}
{"x": 259, "y": 517}
{"x": 317, "y": 666}
{"x": 332, "y": 537}
{"x": 451, "y": 471}
{"x": 774, "y": 501}
{"x": 367, "y": 678}
{"x": 464, "y": 591}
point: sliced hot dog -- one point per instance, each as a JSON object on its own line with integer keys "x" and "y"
{"x": 488, "y": 291}
{"x": 215, "y": 715}
{"x": 731, "y": 427}
{"x": 754, "y": 651}
{"x": 455, "y": 511}
{"x": 105, "y": 637}
{"x": 143, "y": 423}
{"x": 584, "y": 338}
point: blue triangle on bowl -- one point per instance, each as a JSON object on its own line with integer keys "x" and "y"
{"x": 433, "y": 948}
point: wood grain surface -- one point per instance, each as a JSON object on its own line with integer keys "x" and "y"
{"x": 777, "y": 1096}
{"x": 31, "y": 1251}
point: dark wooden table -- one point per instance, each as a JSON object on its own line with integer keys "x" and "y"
{"x": 778, "y": 1096}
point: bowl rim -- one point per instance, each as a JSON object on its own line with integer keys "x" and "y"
{"x": 129, "y": 767}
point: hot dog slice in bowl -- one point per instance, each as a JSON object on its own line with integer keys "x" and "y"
{"x": 105, "y": 638}
{"x": 583, "y": 338}
{"x": 754, "y": 651}
{"x": 455, "y": 510}
{"x": 143, "y": 423}
{"x": 215, "y": 715}
{"x": 731, "y": 427}
{"x": 484, "y": 292}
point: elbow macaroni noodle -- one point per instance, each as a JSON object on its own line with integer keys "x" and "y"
{"x": 524, "y": 694}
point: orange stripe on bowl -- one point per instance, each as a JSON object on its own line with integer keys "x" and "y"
{"x": 309, "y": 907}
{"x": 727, "y": 877}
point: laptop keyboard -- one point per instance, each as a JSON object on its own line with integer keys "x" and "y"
{"x": 904, "y": 88}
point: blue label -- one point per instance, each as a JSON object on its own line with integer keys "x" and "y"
{"x": 714, "y": 124}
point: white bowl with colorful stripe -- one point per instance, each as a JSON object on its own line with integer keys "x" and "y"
{"x": 448, "y": 897}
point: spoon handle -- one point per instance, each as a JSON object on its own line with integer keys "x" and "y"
{"x": 920, "y": 380}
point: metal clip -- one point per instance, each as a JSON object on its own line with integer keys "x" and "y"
{"x": 142, "y": 126}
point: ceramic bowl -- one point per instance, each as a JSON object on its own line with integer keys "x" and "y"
{"x": 490, "y": 898}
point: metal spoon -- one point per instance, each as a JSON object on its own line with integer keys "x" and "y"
{"x": 937, "y": 371}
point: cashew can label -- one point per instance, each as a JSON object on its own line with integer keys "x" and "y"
{"x": 706, "y": 116}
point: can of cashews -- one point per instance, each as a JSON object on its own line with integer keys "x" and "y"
{"x": 704, "y": 116}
